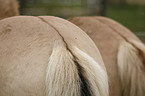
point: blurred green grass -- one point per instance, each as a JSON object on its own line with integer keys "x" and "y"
{"x": 131, "y": 16}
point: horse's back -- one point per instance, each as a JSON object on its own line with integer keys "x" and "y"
{"x": 28, "y": 46}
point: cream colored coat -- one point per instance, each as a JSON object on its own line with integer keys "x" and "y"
{"x": 48, "y": 56}
{"x": 123, "y": 54}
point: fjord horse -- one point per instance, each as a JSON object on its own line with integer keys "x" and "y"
{"x": 123, "y": 54}
{"x": 49, "y": 56}
{"x": 8, "y": 8}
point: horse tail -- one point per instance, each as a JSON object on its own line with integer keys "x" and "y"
{"x": 74, "y": 74}
{"x": 95, "y": 76}
{"x": 131, "y": 65}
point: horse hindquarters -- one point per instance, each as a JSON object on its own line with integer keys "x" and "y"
{"x": 130, "y": 59}
{"x": 113, "y": 39}
{"x": 47, "y": 56}
{"x": 92, "y": 78}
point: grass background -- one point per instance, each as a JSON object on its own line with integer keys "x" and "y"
{"x": 131, "y": 16}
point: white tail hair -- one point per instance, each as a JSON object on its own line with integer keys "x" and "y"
{"x": 96, "y": 77}
{"x": 63, "y": 75}
{"x": 131, "y": 65}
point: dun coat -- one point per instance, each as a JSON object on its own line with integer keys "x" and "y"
{"x": 49, "y": 56}
{"x": 123, "y": 54}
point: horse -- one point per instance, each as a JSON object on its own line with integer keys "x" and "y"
{"x": 8, "y": 8}
{"x": 49, "y": 56}
{"x": 123, "y": 54}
